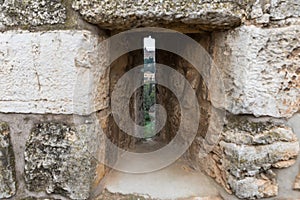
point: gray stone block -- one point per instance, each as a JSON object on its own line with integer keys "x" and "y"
{"x": 7, "y": 164}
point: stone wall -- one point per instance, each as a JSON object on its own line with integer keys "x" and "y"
{"x": 259, "y": 66}
{"x": 48, "y": 155}
{"x": 50, "y": 57}
{"x": 46, "y": 52}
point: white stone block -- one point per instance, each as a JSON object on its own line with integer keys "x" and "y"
{"x": 39, "y": 71}
{"x": 261, "y": 70}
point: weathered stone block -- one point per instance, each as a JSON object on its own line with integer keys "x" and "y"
{"x": 14, "y": 13}
{"x": 260, "y": 70}
{"x": 243, "y": 132}
{"x": 253, "y": 188}
{"x": 243, "y": 160}
{"x": 284, "y": 9}
{"x": 58, "y": 160}
{"x": 51, "y": 72}
{"x": 7, "y": 164}
{"x": 248, "y": 151}
{"x": 275, "y": 13}
{"x": 184, "y": 15}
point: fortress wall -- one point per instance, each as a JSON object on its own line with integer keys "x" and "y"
{"x": 50, "y": 62}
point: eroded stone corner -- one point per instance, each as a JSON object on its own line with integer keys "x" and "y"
{"x": 7, "y": 163}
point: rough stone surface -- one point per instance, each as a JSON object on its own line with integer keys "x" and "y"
{"x": 284, "y": 164}
{"x": 34, "y": 13}
{"x": 58, "y": 161}
{"x": 7, "y": 164}
{"x": 54, "y": 72}
{"x": 275, "y": 12}
{"x": 260, "y": 70}
{"x": 34, "y": 198}
{"x": 197, "y": 15}
{"x": 243, "y": 161}
{"x": 51, "y": 72}
{"x": 297, "y": 183}
{"x": 190, "y": 16}
{"x": 253, "y": 188}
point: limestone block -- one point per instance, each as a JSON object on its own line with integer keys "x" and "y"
{"x": 248, "y": 150}
{"x": 243, "y": 160}
{"x": 59, "y": 160}
{"x": 276, "y": 13}
{"x": 284, "y": 9}
{"x": 244, "y": 131}
{"x": 252, "y": 147}
{"x": 32, "y": 12}
{"x": 193, "y": 15}
{"x": 253, "y": 188}
{"x": 51, "y": 72}
{"x": 260, "y": 70}
{"x": 7, "y": 164}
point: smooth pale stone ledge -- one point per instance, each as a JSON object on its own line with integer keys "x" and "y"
{"x": 40, "y": 71}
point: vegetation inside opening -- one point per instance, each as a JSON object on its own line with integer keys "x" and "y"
{"x": 149, "y": 92}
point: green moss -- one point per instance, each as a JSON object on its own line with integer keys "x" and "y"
{"x": 4, "y": 126}
{"x": 274, "y": 134}
{"x": 241, "y": 123}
